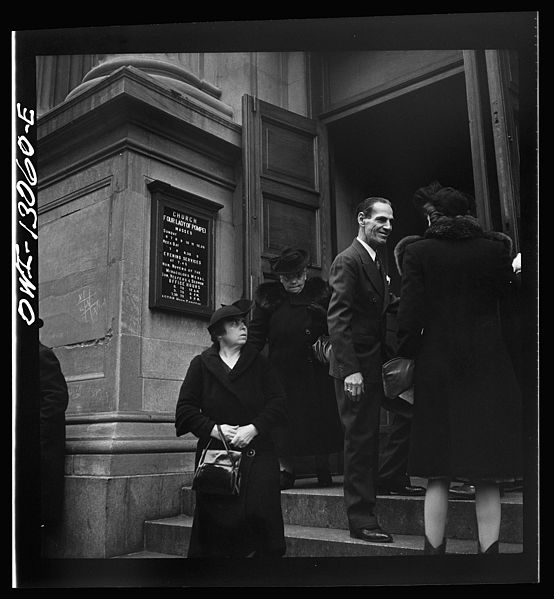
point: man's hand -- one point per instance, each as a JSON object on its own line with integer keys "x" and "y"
{"x": 354, "y": 386}
{"x": 228, "y": 430}
{"x": 244, "y": 436}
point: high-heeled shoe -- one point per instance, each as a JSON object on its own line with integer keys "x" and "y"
{"x": 428, "y": 549}
{"x": 287, "y": 479}
{"x": 492, "y": 548}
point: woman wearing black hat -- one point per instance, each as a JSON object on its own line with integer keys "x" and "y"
{"x": 233, "y": 386}
{"x": 467, "y": 419}
{"x": 289, "y": 315}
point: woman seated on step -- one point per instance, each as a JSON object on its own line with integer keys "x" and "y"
{"x": 233, "y": 386}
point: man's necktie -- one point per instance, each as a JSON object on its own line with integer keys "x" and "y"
{"x": 378, "y": 265}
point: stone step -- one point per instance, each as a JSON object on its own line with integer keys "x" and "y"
{"x": 147, "y": 555}
{"x": 170, "y": 537}
{"x": 309, "y": 505}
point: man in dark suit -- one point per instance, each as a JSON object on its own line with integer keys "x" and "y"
{"x": 356, "y": 319}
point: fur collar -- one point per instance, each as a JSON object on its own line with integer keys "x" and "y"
{"x": 270, "y": 295}
{"x": 400, "y": 247}
{"x": 461, "y": 227}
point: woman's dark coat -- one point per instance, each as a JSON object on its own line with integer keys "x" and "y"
{"x": 250, "y": 394}
{"x": 467, "y": 419}
{"x": 290, "y": 324}
{"x": 53, "y": 403}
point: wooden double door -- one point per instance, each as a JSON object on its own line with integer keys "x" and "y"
{"x": 286, "y": 189}
{"x": 461, "y": 128}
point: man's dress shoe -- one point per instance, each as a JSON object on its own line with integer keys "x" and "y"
{"x": 372, "y": 535}
{"x": 406, "y": 490}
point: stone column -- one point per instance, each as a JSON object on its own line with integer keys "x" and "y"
{"x": 133, "y": 120}
{"x": 171, "y": 70}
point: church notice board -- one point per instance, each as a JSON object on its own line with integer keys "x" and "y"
{"x": 182, "y": 251}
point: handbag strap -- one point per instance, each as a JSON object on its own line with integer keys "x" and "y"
{"x": 231, "y": 457}
{"x": 222, "y": 437}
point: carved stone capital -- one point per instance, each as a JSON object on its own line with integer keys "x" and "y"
{"x": 169, "y": 72}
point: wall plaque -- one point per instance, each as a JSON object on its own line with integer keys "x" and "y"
{"x": 182, "y": 251}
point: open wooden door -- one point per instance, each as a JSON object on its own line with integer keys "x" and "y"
{"x": 285, "y": 195}
{"x": 502, "y": 70}
{"x": 492, "y": 94}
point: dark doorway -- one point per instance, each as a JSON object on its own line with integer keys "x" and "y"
{"x": 395, "y": 147}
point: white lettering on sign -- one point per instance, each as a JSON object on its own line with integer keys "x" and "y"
{"x": 25, "y": 208}
{"x": 184, "y": 258}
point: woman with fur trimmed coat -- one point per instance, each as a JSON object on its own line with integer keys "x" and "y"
{"x": 289, "y": 315}
{"x": 467, "y": 420}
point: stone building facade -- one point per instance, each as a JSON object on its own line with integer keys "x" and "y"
{"x": 280, "y": 146}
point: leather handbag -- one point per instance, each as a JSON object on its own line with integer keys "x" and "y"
{"x": 218, "y": 471}
{"x": 398, "y": 379}
{"x": 322, "y": 349}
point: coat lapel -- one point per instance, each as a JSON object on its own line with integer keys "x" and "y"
{"x": 370, "y": 269}
{"x": 247, "y": 356}
{"x": 215, "y": 366}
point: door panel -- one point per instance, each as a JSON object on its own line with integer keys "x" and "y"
{"x": 286, "y": 198}
{"x": 492, "y": 91}
{"x": 504, "y": 102}
{"x": 287, "y": 225}
{"x": 289, "y": 156}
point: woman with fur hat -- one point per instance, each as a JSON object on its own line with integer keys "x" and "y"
{"x": 467, "y": 412}
{"x": 232, "y": 389}
{"x": 289, "y": 315}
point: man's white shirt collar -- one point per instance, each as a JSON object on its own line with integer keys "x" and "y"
{"x": 372, "y": 253}
{"x": 369, "y": 249}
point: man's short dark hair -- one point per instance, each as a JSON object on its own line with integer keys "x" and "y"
{"x": 366, "y": 206}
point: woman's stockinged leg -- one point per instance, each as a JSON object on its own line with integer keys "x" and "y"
{"x": 488, "y": 513}
{"x": 435, "y": 510}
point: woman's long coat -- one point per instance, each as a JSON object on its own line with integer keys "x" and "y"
{"x": 250, "y": 394}
{"x": 290, "y": 324}
{"x": 54, "y": 398}
{"x": 467, "y": 420}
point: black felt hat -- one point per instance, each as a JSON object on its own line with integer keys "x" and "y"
{"x": 290, "y": 260}
{"x": 239, "y": 308}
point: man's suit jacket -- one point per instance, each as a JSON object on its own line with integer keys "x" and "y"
{"x": 356, "y": 314}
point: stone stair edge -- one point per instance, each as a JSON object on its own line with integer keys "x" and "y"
{"x": 337, "y": 491}
{"x": 332, "y": 536}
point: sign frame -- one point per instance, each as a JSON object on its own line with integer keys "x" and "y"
{"x": 164, "y": 195}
